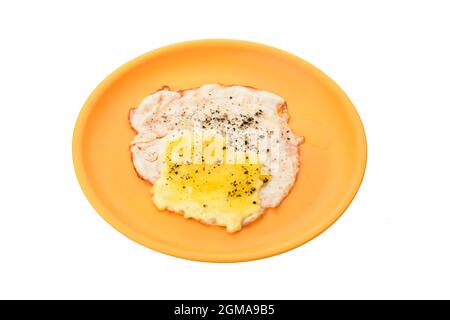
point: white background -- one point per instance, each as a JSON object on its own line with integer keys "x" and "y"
{"x": 391, "y": 57}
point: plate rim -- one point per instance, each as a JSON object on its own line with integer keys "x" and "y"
{"x": 103, "y": 211}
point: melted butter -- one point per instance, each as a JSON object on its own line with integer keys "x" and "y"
{"x": 224, "y": 194}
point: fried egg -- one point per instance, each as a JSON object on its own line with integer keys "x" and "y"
{"x": 246, "y": 160}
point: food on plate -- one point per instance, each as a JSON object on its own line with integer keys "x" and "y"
{"x": 218, "y": 154}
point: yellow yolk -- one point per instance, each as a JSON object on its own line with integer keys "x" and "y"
{"x": 223, "y": 194}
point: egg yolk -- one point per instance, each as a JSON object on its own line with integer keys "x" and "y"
{"x": 219, "y": 193}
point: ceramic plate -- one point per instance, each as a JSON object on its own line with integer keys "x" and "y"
{"x": 333, "y": 156}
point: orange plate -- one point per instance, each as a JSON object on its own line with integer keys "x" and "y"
{"x": 333, "y": 157}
